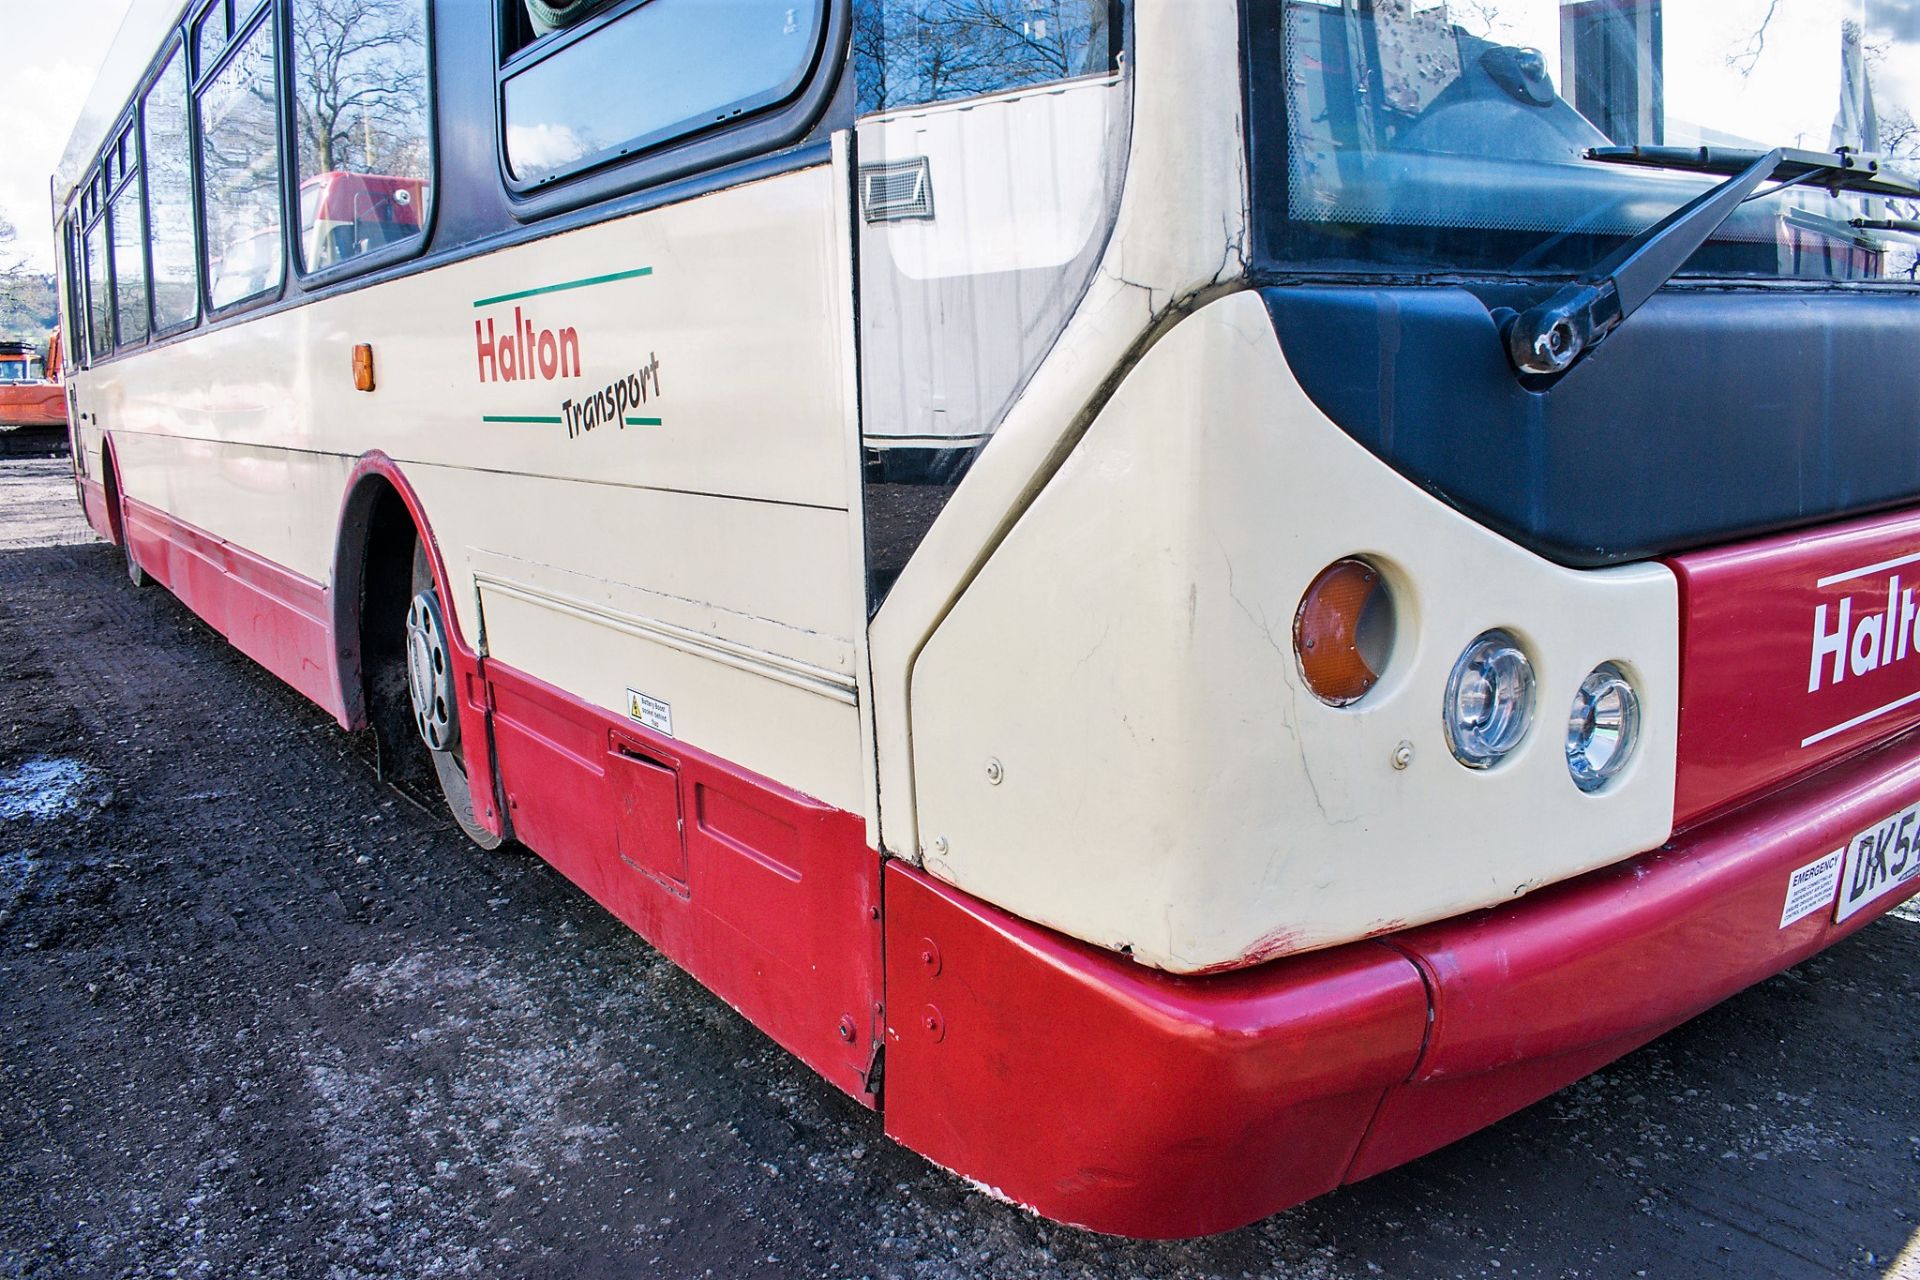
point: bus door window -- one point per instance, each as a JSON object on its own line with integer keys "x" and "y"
{"x": 990, "y": 147}
{"x": 240, "y": 169}
{"x": 170, "y": 236}
{"x": 361, "y": 118}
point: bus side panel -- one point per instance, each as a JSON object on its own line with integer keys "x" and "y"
{"x": 777, "y": 905}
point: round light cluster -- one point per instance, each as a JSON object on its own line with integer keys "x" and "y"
{"x": 1489, "y": 702}
{"x": 1343, "y": 638}
{"x": 1602, "y": 727}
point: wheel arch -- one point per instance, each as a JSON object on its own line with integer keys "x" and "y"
{"x": 375, "y": 483}
{"x": 378, "y": 497}
{"x": 115, "y": 491}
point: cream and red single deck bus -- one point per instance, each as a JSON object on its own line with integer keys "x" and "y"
{"x": 1190, "y": 598}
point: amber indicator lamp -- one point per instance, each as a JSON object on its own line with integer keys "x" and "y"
{"x": 1343, "y": 631}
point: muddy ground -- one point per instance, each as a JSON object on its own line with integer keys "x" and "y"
{"x": 261, "y": 1016}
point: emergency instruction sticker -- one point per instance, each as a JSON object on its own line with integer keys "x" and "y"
{"x": 650, "y": 711}
{"x": 1812, "y": 887}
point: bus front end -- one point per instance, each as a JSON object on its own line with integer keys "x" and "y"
{"x": 1312, "y": 729}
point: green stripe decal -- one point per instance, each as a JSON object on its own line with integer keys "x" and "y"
{"x": 565, "y": 285}
{"x": 501, "y": 417}
{"x": 643, "y": 422}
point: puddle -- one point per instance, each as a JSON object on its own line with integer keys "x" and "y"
{"x": 41, "y": 789}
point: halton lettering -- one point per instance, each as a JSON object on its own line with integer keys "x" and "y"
{"x": 1874, "y": 641}
{"x": 609, "y": 405}
{"x": 525, "y": 353}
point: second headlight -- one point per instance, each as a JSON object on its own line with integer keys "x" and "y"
{"x": 1489, "y": 700}
{"x": 1602, "y": 727}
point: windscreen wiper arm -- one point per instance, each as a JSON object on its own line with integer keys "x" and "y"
{"x": 1550, "y": 337}
{"x": 1836, "y": 171}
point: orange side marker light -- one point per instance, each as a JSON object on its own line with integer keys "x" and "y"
{"x": 1343, "y": 631}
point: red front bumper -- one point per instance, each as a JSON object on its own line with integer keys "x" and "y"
{"x": 1101, "y": 1093}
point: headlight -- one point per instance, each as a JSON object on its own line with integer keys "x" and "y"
{"x": 1602, "y": 727}
{"x": 1489, "y": 700}
{"x": 1343, "y": 631}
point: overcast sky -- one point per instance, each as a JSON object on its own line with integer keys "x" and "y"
{"x": 53, "y": 51}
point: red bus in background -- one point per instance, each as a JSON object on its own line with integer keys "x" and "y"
{"x": 344, "y": 215}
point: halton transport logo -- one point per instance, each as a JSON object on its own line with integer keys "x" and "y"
{"x": 1860, "y": 640}
{"x": 1868, "y": 631}
{"x": 525, "y": 348}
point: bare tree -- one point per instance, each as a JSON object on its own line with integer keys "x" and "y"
{"x": 27, "y": 309}
{"x": 360, "y": 85}
{"x": 1479, "y": 17}
{"x": 1746, "y": 59}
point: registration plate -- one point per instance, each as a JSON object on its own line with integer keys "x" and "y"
{"x": 1880, "y": 860}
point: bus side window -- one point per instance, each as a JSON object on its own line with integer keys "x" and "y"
{"x": 99, "y": 300}
{"x": 361, "y": 117}
{"x": 240, "y": 170}
{"x": 704, "y": 65}
{"x": 127, "y": 220}
{"x": 175, "y": 283}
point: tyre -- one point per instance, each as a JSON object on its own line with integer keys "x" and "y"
{"x": 433, "y": 697}
{"x": 135, "y": 573}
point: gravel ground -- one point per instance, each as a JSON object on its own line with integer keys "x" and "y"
{"x": 264, "y": 1017}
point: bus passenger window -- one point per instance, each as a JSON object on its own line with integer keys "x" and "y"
{"x": 361, "y": 117}
{"x": 129, "y": 245}
{"x": 176, "y": 299}
{"x": 240, "y": 164}
{"x": 99, "y": 304}
{"x": 652, "y": 74}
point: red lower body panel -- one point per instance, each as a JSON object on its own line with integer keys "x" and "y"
{"x": 94, "y": 505}
{"x": 1145, "y": 1104}
{"x": 769, "y": 898}
{"x": 274, "y": 616}
{"x": 1102, "y": 1093}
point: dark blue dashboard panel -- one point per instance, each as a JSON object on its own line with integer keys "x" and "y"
{"x": 1711, "y": 415}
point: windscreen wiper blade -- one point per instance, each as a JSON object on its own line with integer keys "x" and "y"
{"x": 1550, "y": 337}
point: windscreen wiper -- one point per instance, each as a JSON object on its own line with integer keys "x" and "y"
{"x": 1548, "y": 338}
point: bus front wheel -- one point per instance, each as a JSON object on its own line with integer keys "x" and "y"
{"x": 433, "y": 696}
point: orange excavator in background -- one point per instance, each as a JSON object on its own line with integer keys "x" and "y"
{"x": 33, "y": 403}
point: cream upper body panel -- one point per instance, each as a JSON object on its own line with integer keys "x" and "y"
{"x": 1110, "y": 730}
{"x": 634, "y": 442}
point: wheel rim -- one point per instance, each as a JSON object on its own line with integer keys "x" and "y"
{"x": 430, "y": 674}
